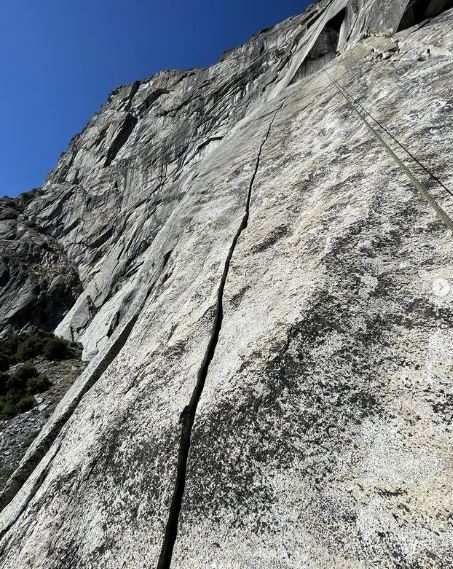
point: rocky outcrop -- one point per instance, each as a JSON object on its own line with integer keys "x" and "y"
{"x": 266, "y": 308}
{"x": 17, "y": 433}
{"x": 38, "y": 285}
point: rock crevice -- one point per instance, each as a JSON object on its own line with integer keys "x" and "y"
{"x": 187, "y": 417}
{"x": 336, "y": 451}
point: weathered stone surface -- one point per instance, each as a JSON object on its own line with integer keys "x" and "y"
{"x": 38, "y": 285}
{"x": 17, "y": 434}
{"x": 322, "y": 437}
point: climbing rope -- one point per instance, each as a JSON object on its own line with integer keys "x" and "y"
{"x": 406, "y": 150}
{"x": 419, "y": 187}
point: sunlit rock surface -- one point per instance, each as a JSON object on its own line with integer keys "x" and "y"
{"x": 322, "y": 437}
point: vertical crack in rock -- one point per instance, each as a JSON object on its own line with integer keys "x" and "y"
{"x": 187, "y": 417}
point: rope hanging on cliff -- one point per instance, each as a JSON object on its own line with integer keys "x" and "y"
{"x": 419, "y": 187}
{"x": 406, "y": 150}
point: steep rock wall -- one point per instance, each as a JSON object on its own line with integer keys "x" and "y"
{"x": 257, "y": 274}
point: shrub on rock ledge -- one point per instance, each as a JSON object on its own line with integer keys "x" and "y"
{"x": 31, "y": 347}
{"x": 26, "y": 371}
{"x": 17, "y": 390}
{"x": 38, "y": 384}
{"x": 56, "y": 349}
{"x": 26, "y": 346}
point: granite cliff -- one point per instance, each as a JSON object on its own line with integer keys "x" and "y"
{"x": 263, "y": 297}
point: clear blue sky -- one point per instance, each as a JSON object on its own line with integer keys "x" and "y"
{"x": 59, "y": 59}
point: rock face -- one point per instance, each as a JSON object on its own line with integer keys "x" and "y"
{"x": 17, "y": 433}
{"x": 266, "y": 308}
{"x": 38, "y": 285}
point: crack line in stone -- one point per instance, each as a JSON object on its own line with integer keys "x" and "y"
{"x": 188, "y": 415}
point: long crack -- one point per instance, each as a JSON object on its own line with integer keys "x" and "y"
{"x": 188, "y": 415}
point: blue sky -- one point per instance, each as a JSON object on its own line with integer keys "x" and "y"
{"x": 59, "y": 60}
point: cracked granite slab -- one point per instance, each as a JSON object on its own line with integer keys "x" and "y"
{"x": 322, "y": 435}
